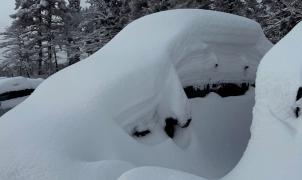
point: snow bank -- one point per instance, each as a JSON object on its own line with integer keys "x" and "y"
{"x": 90, "y": 112}
{"x": 275, "y": 149}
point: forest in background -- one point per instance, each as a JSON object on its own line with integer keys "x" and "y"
{"x": 48, "y": 35}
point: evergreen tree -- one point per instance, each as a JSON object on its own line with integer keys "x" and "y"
{"x": 54, "y": 13}
{"x": 230, "y": 6}
{"x": 73, "y": 32}
{"x": 29, "y": 18}
{"x": 17, "y": 62}
{"x": 101, "y": 22}
{"x": 280, "y": 17}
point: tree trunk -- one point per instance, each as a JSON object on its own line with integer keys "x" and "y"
{"x": 40, "y": 46}
{"x": 49, "y": 39}
{"x": 56, "y": 59}
{"x": 49, "y": 50}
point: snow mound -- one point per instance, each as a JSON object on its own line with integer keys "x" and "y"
{"x": 204, "y": 46}
{"x": 127, "y": 102}
{"x": 275, "y": 149}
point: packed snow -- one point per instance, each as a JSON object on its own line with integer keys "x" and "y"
{"x": 82, "y": 122}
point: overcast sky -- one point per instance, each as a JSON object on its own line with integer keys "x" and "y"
{"x": 6, "y": 8}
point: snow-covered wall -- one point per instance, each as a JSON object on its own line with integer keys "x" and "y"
{"x": 87, "y": 113}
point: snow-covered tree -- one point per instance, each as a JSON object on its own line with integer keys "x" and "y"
{"x": 16, "y": 53}
{"x": 280, "y": 17}
{"x": 54, "y": 13}
{"x": 73, "y": 32}
{"x": 230, "y": 6}
{"x": 101, "y": 22}
{"x": 28, "y": 19}
{"x": 46, "y": 27}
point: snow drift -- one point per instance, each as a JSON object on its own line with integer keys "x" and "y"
{"x": 275, "y": 149}
{"x": 108, "y": 114}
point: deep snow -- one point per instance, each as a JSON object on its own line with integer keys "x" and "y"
{"x": 80, "y": 121}
{"x": 275, "y": 148}
{"x": 222, "y": 128}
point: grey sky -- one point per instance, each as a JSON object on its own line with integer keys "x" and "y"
{"x": 6, "y": 8}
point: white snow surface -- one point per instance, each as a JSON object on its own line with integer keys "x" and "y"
{"x": 275, "y": 148}
{"x": 78, "y": 123}
{"x": 152, "y": 173}
{"x": 8, "y": 104}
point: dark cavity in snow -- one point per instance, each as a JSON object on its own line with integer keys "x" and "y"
{"x": 298, "y": 97}
{"x": 172, "y": 123}
{"x": 299, "y": 94}
{"x": 170, "y": 126}
{"x": 222, "y": 89}
{"x": 15, "y": 94}
{"x": 297, "y": 112}
{"x": 137, "y": 133}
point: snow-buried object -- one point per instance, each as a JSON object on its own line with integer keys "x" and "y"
{"x": 275, "y": 150}
{"x": 86, "y": 113}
